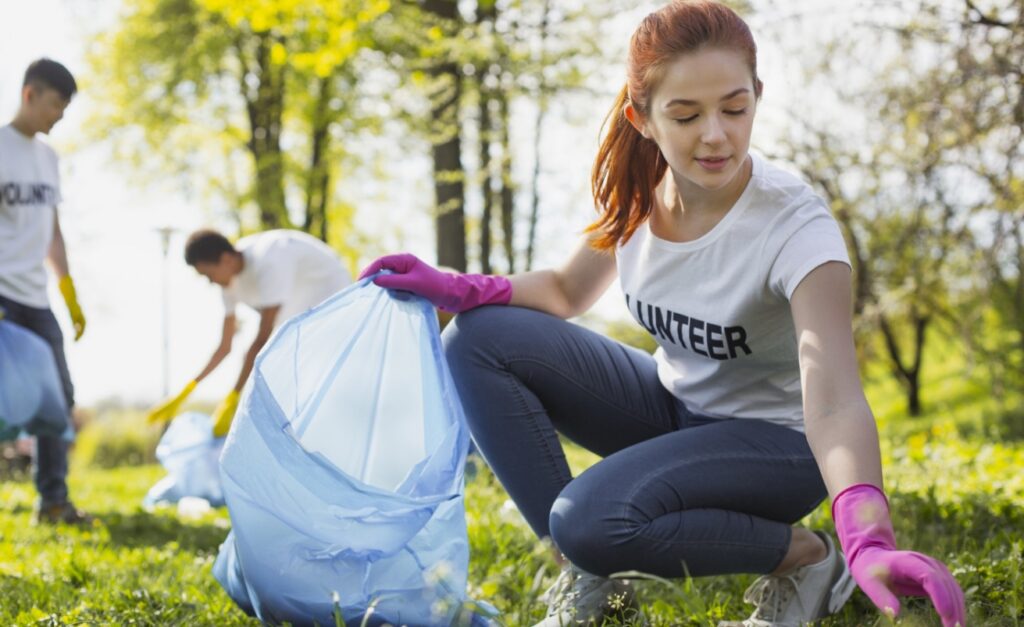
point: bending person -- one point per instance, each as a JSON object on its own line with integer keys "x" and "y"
{"x": 279, "y": 274}
{"x": 750, "y": 413}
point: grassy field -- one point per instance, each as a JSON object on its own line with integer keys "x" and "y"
{"x": 955, "y": 478}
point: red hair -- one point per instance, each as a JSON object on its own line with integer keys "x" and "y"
{"x": 629, "y": 166}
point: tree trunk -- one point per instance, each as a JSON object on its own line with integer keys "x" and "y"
{"x": 318, "y": 179}
{"x": 914, "y": 397}
{"x": 507, "y": 188}
{"x": 265, "y": 105}
{"x": 486, "y": 190}
{"x": 449, "y": 176}
{"x": 486, "y": 14}
{"x": 542, "y": 107}
{"x": 908, "y": 376}
{"x": 1018, "y": 288}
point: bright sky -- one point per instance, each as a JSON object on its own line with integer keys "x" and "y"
{"x": 110, "y": 223}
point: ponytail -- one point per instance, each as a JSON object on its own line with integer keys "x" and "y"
{"x": 626, "y": 171}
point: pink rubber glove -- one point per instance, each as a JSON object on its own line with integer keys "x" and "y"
{"x": 448, "y": 291}
{"x": 861, "y": 514}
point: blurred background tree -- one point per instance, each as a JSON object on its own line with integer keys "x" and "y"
{"x": 190, "y": 78}
{"x": 913, "y": 138}
{"x": 190, "y": 86}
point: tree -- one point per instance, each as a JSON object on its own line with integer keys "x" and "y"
{"x": 444, "y": 23}
{"x": 192, "y": 84}
{"x": 978, "y": 52}
{"x": 259, "y": 83}
{"x": 894, "y": 191}
{"x": 475, "y": 65}
{"x": 989, "y": 69}
{"x": 521, "y": 52}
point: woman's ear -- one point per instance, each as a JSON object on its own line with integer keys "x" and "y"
{"x": 635, "y": 119}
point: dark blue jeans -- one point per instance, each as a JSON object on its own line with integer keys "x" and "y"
{"x": 51, "y": 462}
{"x": 675, "y": 493}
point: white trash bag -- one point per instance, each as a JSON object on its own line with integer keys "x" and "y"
{"x": 190, "y": 454}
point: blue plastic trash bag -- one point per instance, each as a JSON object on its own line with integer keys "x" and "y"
{"x": 31, "y": 398}
{"x": 343, "y": 471}
{"x": 190, "y": 454}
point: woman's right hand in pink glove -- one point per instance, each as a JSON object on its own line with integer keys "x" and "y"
{"x": 861, "y": 514}
{"x": 448, "y": 291}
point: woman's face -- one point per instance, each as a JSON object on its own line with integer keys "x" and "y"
{"x": 701, "y": 115}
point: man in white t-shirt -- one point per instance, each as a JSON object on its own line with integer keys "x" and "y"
{"x": 30, "y": 236}
{"x": 278, "y": 273}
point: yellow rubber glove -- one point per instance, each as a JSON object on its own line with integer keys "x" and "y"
{"x": 67, "y": 290}
{"x": 224, "y": 414}
{"x": 166, "y": 410}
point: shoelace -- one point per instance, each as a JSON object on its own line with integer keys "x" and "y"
{"x": 770, "y": 595}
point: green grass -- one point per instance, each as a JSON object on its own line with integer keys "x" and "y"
{"x": 137, "y": 567}
{"x": 131, "y": 568}
{"x": 957, "y": 492}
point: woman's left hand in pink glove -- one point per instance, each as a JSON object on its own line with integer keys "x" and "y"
{"x": 450, "y": 291}
{"x": 861, "y": 514}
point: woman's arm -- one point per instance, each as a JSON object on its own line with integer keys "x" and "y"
{"x": 839, "y": 424}
{"x": 565, "y": 292}
{"x": 843, "y": 437}
{"x": 570, "y": 290}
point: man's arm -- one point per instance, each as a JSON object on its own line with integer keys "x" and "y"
{"x": 57, "y": 257}
{"x": 58, "y": 254}
{"x": 267, "y": 317}
{"x": 223, "y": 349}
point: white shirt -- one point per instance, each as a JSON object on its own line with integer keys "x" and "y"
{"x": 718, "y": 306}
{"x": 287, "y": 268}
{"x": 29, "y": 195}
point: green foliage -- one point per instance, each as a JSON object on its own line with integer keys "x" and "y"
{"x": 214, "y": 91}
{"x": 319, "y": 36}
{"x": 116, "y": 439}
{"x": 629, "y": 332}
{"x": 920, "y": 159}
{"x": 258, "y": 108}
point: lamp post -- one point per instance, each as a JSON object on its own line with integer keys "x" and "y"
{"x": 165, "y": 240}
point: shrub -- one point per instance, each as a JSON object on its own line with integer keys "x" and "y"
{"x": 117, "y": 438}
{"x": 631, "y": 333}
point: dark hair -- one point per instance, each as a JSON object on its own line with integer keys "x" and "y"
{"x": 628, "y": 165}
{"x": 206, "y": 245}
{"x": 51, "y": 74}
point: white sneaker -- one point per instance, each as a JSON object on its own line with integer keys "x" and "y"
{"x": 801, "y": 596}
{"x": 579, "y": 598}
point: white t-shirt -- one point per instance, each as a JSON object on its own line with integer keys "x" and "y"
{"x": 718, "y": 306}
{"x": 29, "y": 195}
{"x": 287, "y": 268}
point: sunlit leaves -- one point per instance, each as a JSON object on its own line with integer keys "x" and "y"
{"x": 320, "y": 35}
